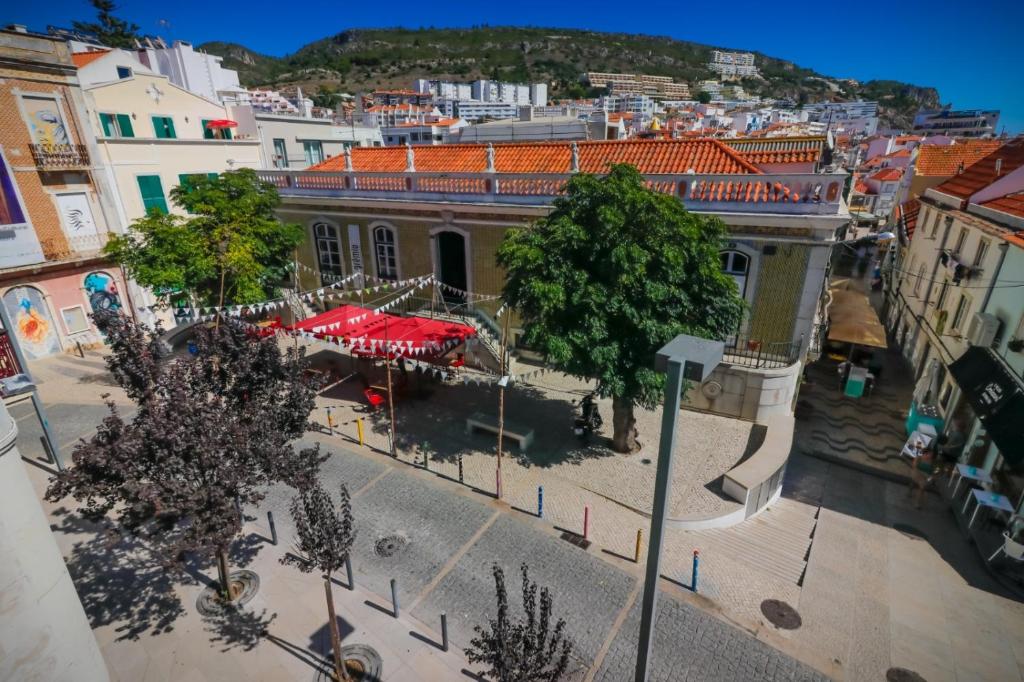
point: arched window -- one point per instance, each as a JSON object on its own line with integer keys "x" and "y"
{"x": 328, "y": 252}
{"x": 737, "y": 266}
{"x": 386, "y": 253}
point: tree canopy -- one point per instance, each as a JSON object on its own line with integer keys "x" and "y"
{"x": 210, "y": 433}
{"x": 614, "y": 272}
{"x": 230, "y": 229}
{"x": 109, "y": 29}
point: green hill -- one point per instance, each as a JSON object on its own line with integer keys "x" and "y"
{"x": 361, "y": 60}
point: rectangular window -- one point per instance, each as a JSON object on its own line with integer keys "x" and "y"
{"x": 935, "y": 224}
{"x": 943, "y": 292}
{"x": 185, "y": 179}
{"x": 117, "y": 125}
{"x": 960, "y": 239}
{"x": 124, "y": 72}
{"x": 280, "y": 153}
{"x": 314, "y": 151}
{"x": 215, "y": 133}
{"x": 163, "y": 127}
{"x": 152, "y": 192}
{"x": 980, "y": 254}
{"x": 962, "y": 308}
{"x": 920, "y": 279}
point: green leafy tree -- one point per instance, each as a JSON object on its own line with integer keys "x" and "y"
{"x": 228, "y": 249}
{"x": 111, "y": 31}
{"x": 614, "y": 272}
{"x": 704, "y": 97}
{"x": 526, "y": 650}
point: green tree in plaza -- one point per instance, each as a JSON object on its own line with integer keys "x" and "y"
{"x": 531, "y": 649}
{"x": 209, "y": 434}
{"x": 325, "y": 535}
{"x": 109, "y": 29}
{"x": 704, "y": 97}
{"x": 614, "y": 272}
{"x": 228, "y": 249}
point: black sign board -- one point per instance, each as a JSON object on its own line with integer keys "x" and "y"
{"x": 997, "y": 397}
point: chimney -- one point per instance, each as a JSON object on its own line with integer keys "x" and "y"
{"x": 999, "y": 167}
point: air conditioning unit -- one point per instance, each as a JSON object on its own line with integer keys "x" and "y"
{"x": 982, "y": 329}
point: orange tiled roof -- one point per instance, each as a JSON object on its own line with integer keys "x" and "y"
{"x": 443, "y": 122}
{"x": 906, "y": 216}
{"x": 1012, "y": 204}
{"x": 983, "y": 172}
{"x": 649, "y": 156}
{"x": 944, "y": 160}
{"x": 887, "y": 175}
{"x": 398, "y": 107}
{"x": 899, "y": 153}
{"x": 765, "y": 156}
{"x": 81, "y": 59}
{"x": 860, "y": 187}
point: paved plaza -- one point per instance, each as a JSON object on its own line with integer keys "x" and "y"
{"x": 870, "y": 596}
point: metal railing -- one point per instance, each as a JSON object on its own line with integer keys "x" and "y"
{"x": 747, "y": 352}
{"x": 9, "y": 366}
{"x": 791, "y": 193}
{"x": 59, "y": 156}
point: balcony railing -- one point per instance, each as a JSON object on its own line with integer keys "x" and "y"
{"x": 793, "y": 193}
{"x": 748, "y": 352}
{"x": 9, "y": 366}
{"x": 72, "y": 248}
{"x": 60, "y": 156}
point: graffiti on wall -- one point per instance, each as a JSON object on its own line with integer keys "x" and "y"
{"x": 44, "y": 119}
{"x": 102, "y": 292}
{"x": 31, "y": 320}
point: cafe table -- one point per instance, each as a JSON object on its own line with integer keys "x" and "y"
{"x": 985, "y": 498}
{"x": 963, "y": 471}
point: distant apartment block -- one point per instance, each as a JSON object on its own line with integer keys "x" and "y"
{"x": 484, "y": 90}
{"x": 956, "y": 123}
{"x": 733, "y": 63}
{"x": 391, "y": 97}
{"x": 658, "y": 87}
{"x": 822, "y": 111}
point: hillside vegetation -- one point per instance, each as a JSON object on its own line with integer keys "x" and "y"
{"x": 361, "y": 60}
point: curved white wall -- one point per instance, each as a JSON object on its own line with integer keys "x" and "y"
{"x": 44, "y": 634}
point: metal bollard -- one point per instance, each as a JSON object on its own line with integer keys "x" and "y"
{"x": 586, "y": 522}
{"x": 273, "y": 528}
{"x": 359, "y": 429}
{"x": 348, "y": 573}
{"x": 693, "y": 578}
{"x": 394, "y": 597}
{"x": 330, "y": 422}
{"x": 460, "y": 468}
{"x": 444, "y": 632}
{"x": 540, "y": 502}
{"x": 639, "y": 539}
{"x": 497, "y": 483}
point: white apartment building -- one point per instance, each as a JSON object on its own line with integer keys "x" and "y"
{"x": 475, "y": 110}
{"x": 638, "y": 105}
{"x": 197, "y": 72}
{"x": 441, "y": 131}
{"x": 733, "y": 63}
{"x": 823, "y": 111}
{"x": 292, "y": 141}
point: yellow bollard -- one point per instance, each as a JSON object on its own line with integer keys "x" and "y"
{"x": 359, "y": 428}
{"x": 639, "y": 538}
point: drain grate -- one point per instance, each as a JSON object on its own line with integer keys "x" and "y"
{"x": 780, "y": 614}
{"x": 909, "y": 530}
{"x": 902, "y": 675}
{"x": 247, "y": 584}
{"x": 575, "y": 539}
{"x": 389, "y": 545}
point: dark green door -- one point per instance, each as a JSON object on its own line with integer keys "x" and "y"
{"x": 451, "y": 251}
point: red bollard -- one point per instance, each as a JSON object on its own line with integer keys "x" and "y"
{"x": 586, "y": 522}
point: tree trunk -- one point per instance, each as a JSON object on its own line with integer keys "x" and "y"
{"x": 624, "y": 425}
{"x": 227, "y": 591}
{"x": 339, "y": 664}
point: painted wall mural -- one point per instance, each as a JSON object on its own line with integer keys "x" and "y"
{"x": 45, "y": 121}
{"x": 18, "y": 242}
{"x": 102, "y": 292}
{"x": 32, "y": 322}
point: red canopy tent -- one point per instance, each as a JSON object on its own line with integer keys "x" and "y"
{"x": 383, "y": 334}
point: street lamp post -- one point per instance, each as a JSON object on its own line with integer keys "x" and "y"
{"x": 693, "y": 359}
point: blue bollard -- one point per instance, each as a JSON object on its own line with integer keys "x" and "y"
{"x": 540, "y": 502}
{"x": 693, "y": 578}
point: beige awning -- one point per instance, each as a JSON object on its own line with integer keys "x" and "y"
{"x": 852, "y": 318}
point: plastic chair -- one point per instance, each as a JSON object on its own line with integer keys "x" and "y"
{"x": 373, "y": 398}
{"x": 1010, "y": 547}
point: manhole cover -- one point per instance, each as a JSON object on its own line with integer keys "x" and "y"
{"x": 246, "y": 584}
{"x": 907, "y": 529}
{"x": 780, "y": 614}
{"x": 902, "y": 675}
{"x": 390, "y": 544}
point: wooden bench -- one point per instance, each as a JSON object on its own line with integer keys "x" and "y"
{"x": 486, "y": 422}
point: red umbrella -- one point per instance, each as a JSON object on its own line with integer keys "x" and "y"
{"x": 221, "y": 123}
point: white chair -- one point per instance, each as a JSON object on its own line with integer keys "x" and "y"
{"x": 1010, "y": 547}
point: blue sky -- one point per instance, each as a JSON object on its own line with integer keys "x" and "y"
{"x": 969, "y": 51}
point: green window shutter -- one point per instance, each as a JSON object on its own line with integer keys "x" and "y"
{"x": 163, "y": 126}
{"x": 124, "y": 122}
{"x": 170, "y": 127}
{"x": 207, "y": 133}
{"x": 107, "y": 121}
{"x": 213, "y": 176}
{"x": 152, "y": 192}
{"x": 227, "y": 133}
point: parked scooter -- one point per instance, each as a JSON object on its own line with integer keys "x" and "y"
{"x": 588, "y": 420}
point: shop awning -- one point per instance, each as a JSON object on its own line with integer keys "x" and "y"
{"x": 378, "y": 334}
{"x": 997, "y": 397}
{"x": 851, "y": 317}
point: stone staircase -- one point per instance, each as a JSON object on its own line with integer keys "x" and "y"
{"x": 488, "y": 338}
{"x": 777, "y": 541}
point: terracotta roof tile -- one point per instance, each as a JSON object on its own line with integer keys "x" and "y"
{"x": 649, "y": 156}
{"x": 762, "y": 157}
{"x": 81, "y": 59}
{"x": 906, "y": 217}
{"x": 398, "y": 107}
{"x": 1012, "y": 204}
{"x": 944, "y": 160}
{"x": 861, "y": 187}
{"x": 983, "y": 172}
{"x": 887, "y": 174}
